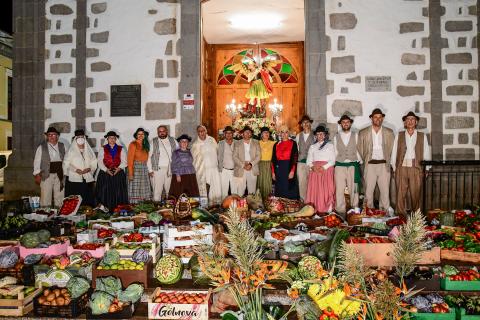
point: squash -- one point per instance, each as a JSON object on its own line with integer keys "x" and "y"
{"x": 169, "y": 269}
{"x": 305, "y": 212}
{"x": 339, "y": 237}
{"x": 198, "y": 276}
{"x": 204, "y": 216}
{"x": 228, "y": 201}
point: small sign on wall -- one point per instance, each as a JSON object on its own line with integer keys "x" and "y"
{"x": 378, "y": 83}
{"x": 188, "y": 101}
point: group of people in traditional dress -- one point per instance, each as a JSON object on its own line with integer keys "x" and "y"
{"x": 312, "y": 167}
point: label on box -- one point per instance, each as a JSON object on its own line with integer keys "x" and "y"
{"x": 177, "y": 311}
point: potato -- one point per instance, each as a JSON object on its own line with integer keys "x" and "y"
{"x": 46, "y": 292}
{"x": 46, "y": 303}
{"x": 60, "y": 301}
{"x": 63, "y": 291}
{"x": 42, "y": 299}
{"x": 57, "y": 293}
{"x": 51, "y": 297}
{"x": 67, "y": 301}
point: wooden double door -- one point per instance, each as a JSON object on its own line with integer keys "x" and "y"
{"x": 221, "y": 85}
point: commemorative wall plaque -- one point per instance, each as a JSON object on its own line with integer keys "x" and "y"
{"x": 126, "y": 100}
{"x": 378, "y": 83}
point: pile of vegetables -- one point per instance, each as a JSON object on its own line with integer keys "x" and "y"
{"x": 471, "y": 304}
{"x": 55, "y": 297}
{"x": 108, "y": 296}
{"x": 12, "y": 222}
{"x": 430, "y": 303}
{"x": 454, "y": 274}
{"x": 40, "y": 239}
{"x": 459, "y": 241}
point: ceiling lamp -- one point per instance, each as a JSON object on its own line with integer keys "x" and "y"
{"x": 255, "y": 21}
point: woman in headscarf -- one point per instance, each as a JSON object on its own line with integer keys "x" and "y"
{"x": 79, "y": 166}
{"x": 184, "y": 179}
{"x": 139, "y": 188}
{"x": 284, "y": 164}
{"x": 264, "y": 181}
{"x": 321, "y": 183}
{"x": 111, "y": 186}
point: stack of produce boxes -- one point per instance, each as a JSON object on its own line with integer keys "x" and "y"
{"x": 180, "y": 240}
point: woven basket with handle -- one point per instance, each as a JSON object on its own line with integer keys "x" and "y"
{"x": 183, "y": 208}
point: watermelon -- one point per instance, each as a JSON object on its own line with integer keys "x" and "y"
{"x": 8, "y": 259}
{"x": 309, "y": 266}
{"x": 169, "y": 269}
{"x": 197, "y": 274}
{"x": 43, "y": 235}
{"x": 140, "y": 255}
{"x": 30, "y": 240}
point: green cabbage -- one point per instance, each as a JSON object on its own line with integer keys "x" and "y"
{"x": 100, "y": 302}
{"x": 109, "y": 284}
{"x": 111, "y": 257}
{"x": 77, "y": 286}
{"x": 155, "y": 217}
{"x": 132, "y": 293}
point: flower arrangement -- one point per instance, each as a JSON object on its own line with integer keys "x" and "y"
{"x": 255, "y": 123}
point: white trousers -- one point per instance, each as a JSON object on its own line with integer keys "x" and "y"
{"x": 302, "y": 175}
{"x": 248, "y": 181}
{"x": 49, "y": 187}
{"x": 160, "y": 180}
{"x": 345, "y": 177}
{"x": 227, "y": 179}
{"x": 377, "y": 174}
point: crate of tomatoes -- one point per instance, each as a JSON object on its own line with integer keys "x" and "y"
{"x": 455, "y": 280}
{"x": 179, "y": 304}
{"x": 70, "y": 205}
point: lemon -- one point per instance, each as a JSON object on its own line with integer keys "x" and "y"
{"x": 132, "y": 268}
{"x": 139, "y": 267}
{"x": 99, "y": 268}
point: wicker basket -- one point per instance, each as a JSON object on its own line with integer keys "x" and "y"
{"x": 183, "y": 208}
{"x": 355, "y": 219}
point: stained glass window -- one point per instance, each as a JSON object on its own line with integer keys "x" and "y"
{"x": 284, "y": 70}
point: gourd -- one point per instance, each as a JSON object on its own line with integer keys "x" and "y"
{"x": 309, "y": 267}
{"x": 8, "y": 259}
{"x": 169, "y": 269}
{"x": 203, "y": 215}
{"x": 198, "y": 276}
{"x": 43, "y": 235}
{"x": 140, "y": 255}
{"x": 305, "y": 212}
{"x": 30, "y": 240}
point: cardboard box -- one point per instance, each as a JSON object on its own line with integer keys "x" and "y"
{"x": 97, "y": 253}
{"x": 53, "y": 250}
{"x": 87, "y": 236}
{"x": 381, "y": 254}
{"x": 179, "y": 311}
{"x": 195, "y": 229}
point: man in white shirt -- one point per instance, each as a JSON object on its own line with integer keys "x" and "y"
{"x": 204, "y": 152}
{"x": 304, "y": 140}
{"x": 159, "y": 162}
{"x": 375, "y": 145}
{"x": 47, "y": 169}
{"x": 225, "y": 161}
{"x": 246, "y": 156}
{"x": 409, "y": 150}
{"x": 347, "y": 165}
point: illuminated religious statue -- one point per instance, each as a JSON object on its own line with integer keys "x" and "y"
{"x": 258, "y": 76}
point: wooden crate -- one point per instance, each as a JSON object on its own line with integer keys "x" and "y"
{"x": 20, "y": 306}
{"x": 126, "y": 276}
{"x": 177, "y": 310}
{"x": 381, "y": 254}
{"x": 451, "y": 255}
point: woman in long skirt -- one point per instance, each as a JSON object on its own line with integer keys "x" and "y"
{"x": 111, "y": 181}
{"x": 264, "y": 181}
{"x": 321, "y": 180}
{"x": 139, "y": 188}
{"x": 284, "y": 164}
{"x": 184, "y": 179}
{"x": 79, "y": 166}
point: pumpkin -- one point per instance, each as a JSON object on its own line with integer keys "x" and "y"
{"x": 30, "y": 240}
{"x": 43, "y": 235}
{"x": 8, "y": 259}
{"x": 140, "y": 255}
{"x": 228, "y": 201}
{"x": 169, "y": 269}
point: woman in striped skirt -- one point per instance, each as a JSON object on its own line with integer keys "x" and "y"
{"x": 264, "y": 181}
{"x": 139, "y": 188}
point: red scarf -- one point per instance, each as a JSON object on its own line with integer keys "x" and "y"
{"x": 109, "y": 161}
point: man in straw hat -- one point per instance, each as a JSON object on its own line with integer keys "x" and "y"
{"x": 409, "y": 150}
{"x": 225, "y": 161}
{"x": 375, "y": 144}
{"x": 47, "y": 169}
{"x": 304, "y": 140}
{"x": 347, "y": 165}
{"x": 246, "y": 156}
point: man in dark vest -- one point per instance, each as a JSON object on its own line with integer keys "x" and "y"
{"x": 159, "y": 162}
{"x": 347, "y": 165}
{"x": 47, "y": 169}
{"x": 409, "y": 150}
{"x": 304, "y": 140}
